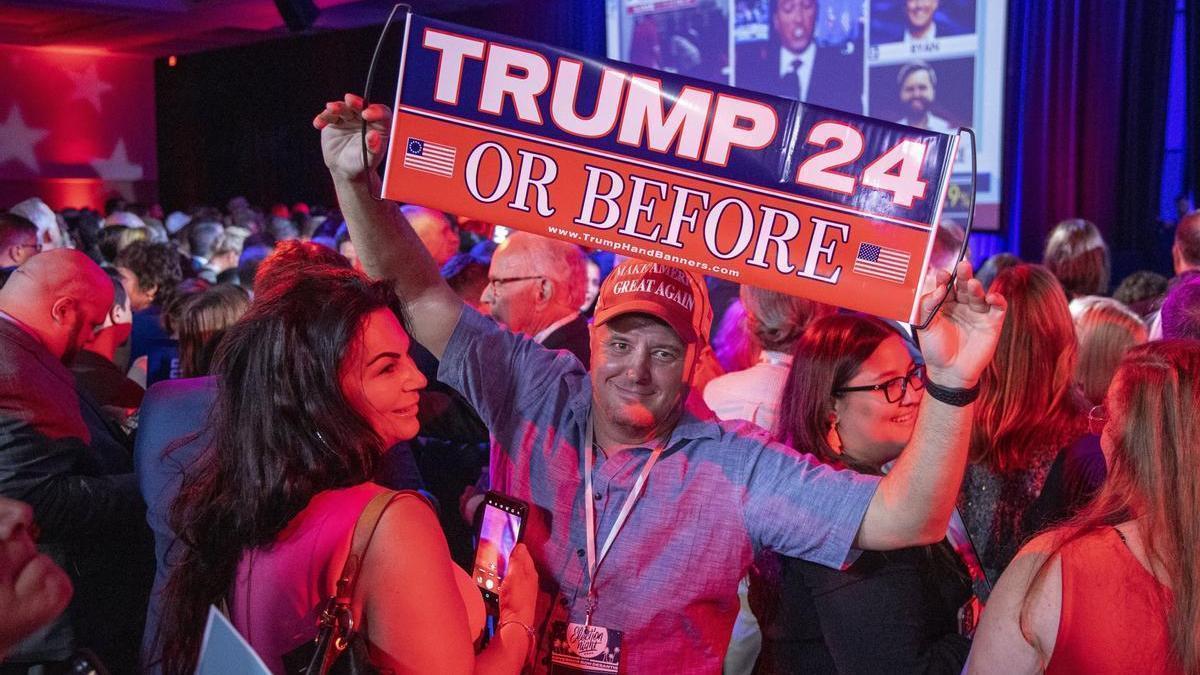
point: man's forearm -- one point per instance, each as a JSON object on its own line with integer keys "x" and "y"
{"x": 385, "y": 243}
{"x": 915, "y": 499}
{"x": 390, "y": 249}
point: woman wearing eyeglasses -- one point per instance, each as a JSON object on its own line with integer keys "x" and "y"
{"x": 852, "y": 397}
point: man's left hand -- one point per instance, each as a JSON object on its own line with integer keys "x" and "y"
{"x": 960, "y": 341}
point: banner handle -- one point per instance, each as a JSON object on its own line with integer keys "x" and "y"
{"x": 962, "y": 251}
{"x": 367, "y": 94}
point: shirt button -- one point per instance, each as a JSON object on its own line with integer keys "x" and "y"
{"x": 599, "y": 496}
{"x": 579, "y": 553}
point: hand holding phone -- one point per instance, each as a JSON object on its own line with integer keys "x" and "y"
{"x": 500, "y": 528}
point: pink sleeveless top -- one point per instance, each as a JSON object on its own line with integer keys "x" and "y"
{"x": 280, "y": 589}
{"x": 1114, "y": 612}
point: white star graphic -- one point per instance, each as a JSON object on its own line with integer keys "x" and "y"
{"x": 17, "y": 140}
{"x": 89, "y": 86}
{"x": 118, "y": 166}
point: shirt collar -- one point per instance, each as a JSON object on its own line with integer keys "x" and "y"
{"x": 786, "y": 56}
{"x": 692, "y": 428}
{"x": 775, "y": 358}
{"x": 545, "y": 332}
{"x": 23, "y": 326}
{"x": 688, "y": 428}
{"x": 931, "y": 35}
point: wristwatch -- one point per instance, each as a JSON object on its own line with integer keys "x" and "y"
{"x": 951, "y": 395}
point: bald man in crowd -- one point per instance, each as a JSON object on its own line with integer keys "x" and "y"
{"x": 536, "y": 286}
{"x": 1185, "y": 257}
{"x": 435, "y": 230}
{"x": 1185, "y": 252}
{"x": 85, "y": 501}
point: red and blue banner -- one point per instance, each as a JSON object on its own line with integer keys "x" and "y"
{"x": 754, "y": 188}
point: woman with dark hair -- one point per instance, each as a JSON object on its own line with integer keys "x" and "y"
{"x": 1117, "y": 588}
{"x": 852, "y": 397}
{"x": 1030, "y": 412}
{"x": 202, "y": 322}
{"x": 151, "y": 274}
{"x": 995, "y": 265}
{"x": 315, "y": 383}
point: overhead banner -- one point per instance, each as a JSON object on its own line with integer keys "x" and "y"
{"x": 754, "y": 188}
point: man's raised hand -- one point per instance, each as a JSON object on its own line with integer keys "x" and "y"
{"x": 960, "y": 341}
{"x": 341, "y": 124}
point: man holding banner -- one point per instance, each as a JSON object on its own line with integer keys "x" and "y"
{"x": 682, "y": 504}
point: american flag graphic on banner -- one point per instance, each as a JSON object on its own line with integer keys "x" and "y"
{"x": 881, "y": 262}
{"x": 429, "y": 157}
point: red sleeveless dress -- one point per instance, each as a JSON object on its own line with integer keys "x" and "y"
{"x": 1114, "y": 612}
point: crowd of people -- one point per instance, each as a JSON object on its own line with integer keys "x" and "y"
{"x": 224, "y": 407}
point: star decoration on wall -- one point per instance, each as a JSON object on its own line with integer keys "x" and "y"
{"x": 89, "y": 86}
{"x": 118, "y": 166}
{"x": 17, "y": 140}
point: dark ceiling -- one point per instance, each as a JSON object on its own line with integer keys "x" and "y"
{"x": 165, "y": 27}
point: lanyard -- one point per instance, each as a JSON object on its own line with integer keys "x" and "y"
{"x": 590, "y": 512}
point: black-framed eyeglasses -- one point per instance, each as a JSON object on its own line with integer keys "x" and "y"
{"x": 895, "y": 388}
{"x": 497, "y": 283}
{"x": 1097, "y": 418}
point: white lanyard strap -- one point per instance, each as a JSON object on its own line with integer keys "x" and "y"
{"x": 590, "y": 505}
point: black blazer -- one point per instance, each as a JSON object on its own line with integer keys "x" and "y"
{"x": 91, "y": 518}
{"x": 885, "y": 32}
{"x": 890, "y": 612}
{"x": 836, "y": 81}
{"x": 574, "y": 338}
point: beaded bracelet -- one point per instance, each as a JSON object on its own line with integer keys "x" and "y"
{"x": 529, "y": 631}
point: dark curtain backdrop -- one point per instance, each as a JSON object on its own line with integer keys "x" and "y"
{"x": 238, "y": 121}
{"x": 1192, "y": 59}
{"x": 1086, "y": 109}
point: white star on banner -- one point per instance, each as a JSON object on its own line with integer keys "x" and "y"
{"x": 89, "y": 86}
{"x": 118, "y": 166}
{"x": 17, "y": 140}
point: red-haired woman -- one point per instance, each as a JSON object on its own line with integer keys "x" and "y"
{"x": 1116, "y": 589}
{"x": 1029, "y": 411}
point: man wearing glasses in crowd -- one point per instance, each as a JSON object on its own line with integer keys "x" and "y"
{"x": 614, "y": 451}
{"x": 535, "y": 287}
{"x": 18, "y": 240}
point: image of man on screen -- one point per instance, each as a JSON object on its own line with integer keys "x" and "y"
{"x": 918, "y": 22}
{"x": 918, "y": 16}
{"x": 791, "y": 63}
{"x": 918, "y": 91}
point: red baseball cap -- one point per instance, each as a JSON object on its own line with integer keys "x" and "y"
{"x": 676, "y": 296}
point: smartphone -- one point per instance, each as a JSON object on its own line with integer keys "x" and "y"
{"x": 501, "y": 526}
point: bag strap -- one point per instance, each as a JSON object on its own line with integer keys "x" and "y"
{"x": 364, "y": 530}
